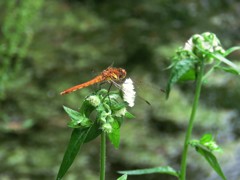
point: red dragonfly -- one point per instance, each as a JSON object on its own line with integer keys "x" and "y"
{"x": 110, "y": 74}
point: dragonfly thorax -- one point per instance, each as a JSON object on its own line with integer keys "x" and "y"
{"x": 115, "y": 74}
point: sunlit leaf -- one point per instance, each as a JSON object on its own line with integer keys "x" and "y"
{"x": 123, "y": 177}
{"x": 206, "y": 138}
{"x": 115, "y": 135}
{"x": 180, "y": 69}
{"x": 161, "y": 170}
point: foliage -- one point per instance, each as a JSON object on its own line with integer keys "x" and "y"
{"x": 189, "y": 64}
{"x": 162, "y": 170}
{"x": 70, "y": 39}
{"x": 110, "y": 111}
{"x": 205, "y": 147}
{"x": 17, "y": 34}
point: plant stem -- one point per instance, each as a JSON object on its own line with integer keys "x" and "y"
{"x": 103, "y": 156}
{"x": 191, "y": 120}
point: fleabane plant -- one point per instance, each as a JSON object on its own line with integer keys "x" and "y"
{"x": 204, "y": 49}
{"x": 189, "y": 63}
{"x": 101, "y": 113}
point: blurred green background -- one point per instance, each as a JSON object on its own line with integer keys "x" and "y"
{"x": 48, "y": 46}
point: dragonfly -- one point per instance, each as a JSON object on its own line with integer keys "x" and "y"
{"x": 111, "y": 75}
{"x": 114, "y": 76}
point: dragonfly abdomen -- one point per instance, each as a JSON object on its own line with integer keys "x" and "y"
{"x": 95, "y": 80}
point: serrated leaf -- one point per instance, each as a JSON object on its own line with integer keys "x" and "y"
{"x": 230, "y": 50}
{"x": 74, "y": 115}
{"x": 123, "y": 177}
{"x": 211, "y": 159}
{"x": 77, "y": 139}
{"x": 114, "y": 137}
{"x": 178, "y": 71}
{"x": 77, "y": 119}
{"x": 162, "y": 170}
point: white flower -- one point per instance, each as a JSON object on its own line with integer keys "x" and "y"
{"x": 128, "y": 92}
{"x": 189, "y": 45}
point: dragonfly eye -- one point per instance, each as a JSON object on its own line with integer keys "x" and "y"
{"x": 122, "y": 73}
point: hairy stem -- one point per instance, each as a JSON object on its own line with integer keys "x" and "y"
{"x": 191, "y": 120}
{"x": 103, "y": 156}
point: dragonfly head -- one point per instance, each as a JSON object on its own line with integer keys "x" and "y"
{"x": 115, "y": 74}
{"x": 121, "y": 73}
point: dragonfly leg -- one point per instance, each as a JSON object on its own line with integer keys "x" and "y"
{"x": 108, "y": 93}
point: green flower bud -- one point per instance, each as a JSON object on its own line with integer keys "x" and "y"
{"x": 212, "y": 146}
{"x": 110, "y": 119}
{"x": 197, "y": 39}
{"x": 103, "y": 116}
{"x": 107, "y": 127}
{"x": 93, "y": 100}
{"x": 120, "y": 112}
{"x": 211, "y": 38}
{"x": 220, "y": 50}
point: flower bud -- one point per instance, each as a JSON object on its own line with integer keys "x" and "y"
{"x": 107, "y": 127}
{"x": 220, "y": 50}
{"x": 93, "y": 100}
{"x": 103, "y": 116}
{"x": 120, "y": 112}
{"x": 196, "y": 39}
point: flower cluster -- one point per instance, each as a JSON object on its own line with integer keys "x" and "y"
{"x": 128, "y": 92}
{"x": 109, "y": 107}
{"x": 202, "y": 45}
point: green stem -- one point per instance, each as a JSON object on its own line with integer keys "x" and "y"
{"x": 103, "y": 156}
{"x": 191, "y": 120}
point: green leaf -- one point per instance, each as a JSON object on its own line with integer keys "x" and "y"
{"x": 86, "y": 108}
{"x": 188, "y": 76}
{"x": 206, "y": 138}
{"x": 123, "y": 177}
{"x": 77, "y": 119}
{"x": 94, "y": 131}
{"x": 211, "y": 159}
{"x": 74, "y": 115}
{"x": 228, "y": 70}
{"x": 115, "y": 105}
{"x": 115, "y": 135}
{"x": 161, "y": 170}
{"x": 77, "y": 139}
{"x": 180, "y": 69}
{"x": 129, "y": 115}
{"x": 226, "y": 61}
{"x": 230, "y": 50}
